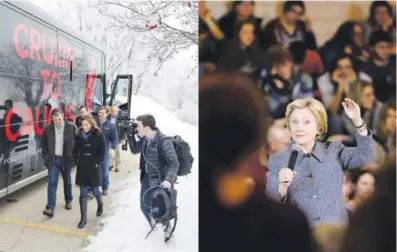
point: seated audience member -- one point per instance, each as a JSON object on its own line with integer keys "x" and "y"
{"x": 370, "y": 112}
{"x": 211, "y": 38}
{"x": 372, "y": 228}
{"x": 382, "y": 67}
{"x": 288, "y": 28}
{"x": 234, "y": 211}
{"x": 370, "y": 106}
{"x": 300, "y": 76}
{"x": 348, "y": 40}
{"x": 242, "y": 54}
{"x": 307, "y": 60}
{"x": 280, "y": 85}
{"x": 386, "y": 132}
{"x": 241, "y": 11}
{"x": 363, "y": 187}
{"x": 341, "y": 81}
{"x": 381, "y": 18}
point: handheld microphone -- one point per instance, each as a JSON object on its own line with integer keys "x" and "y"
{"x": 291, "y": 165}
{"x": 292, "y": 157}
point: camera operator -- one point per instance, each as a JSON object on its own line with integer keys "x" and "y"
{"x": 145, "y": 140}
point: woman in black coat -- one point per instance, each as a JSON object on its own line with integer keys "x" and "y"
{"x": 88, "y": 151}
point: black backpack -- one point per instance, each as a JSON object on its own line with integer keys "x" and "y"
{"x": 183, "y": 152}
{"x": 163, "y": 207}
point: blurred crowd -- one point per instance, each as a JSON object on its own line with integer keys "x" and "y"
{"x": 284, "y": 62}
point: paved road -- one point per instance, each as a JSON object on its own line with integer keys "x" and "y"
{"x": 23, "y": 227}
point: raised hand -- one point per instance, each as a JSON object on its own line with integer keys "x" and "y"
{"x": 352, "y": 111}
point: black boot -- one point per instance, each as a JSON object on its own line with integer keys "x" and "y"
{"x": 83, "y": 212}
{"x": 99, "y": 211}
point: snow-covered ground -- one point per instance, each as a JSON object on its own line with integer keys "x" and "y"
{"x": 125, "y": 226}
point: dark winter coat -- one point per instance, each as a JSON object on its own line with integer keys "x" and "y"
{"x": 150, "y": 160}
{"x": 89, "y": 155}
{"x": 48, "y": 144}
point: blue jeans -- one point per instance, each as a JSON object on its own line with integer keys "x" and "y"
{"x": 53, "y": 175}
{"x": 105, "y": 172}
{"x": 84, "y": 191}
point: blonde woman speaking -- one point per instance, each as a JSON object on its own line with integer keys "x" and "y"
{"x": 314, "y": 182}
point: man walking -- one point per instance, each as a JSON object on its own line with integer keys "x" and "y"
{"x": 121, "y": 137}
{"x": 57, "y": 145}
{"x": 109, "y": 133}
{"x": 152, "y": 174}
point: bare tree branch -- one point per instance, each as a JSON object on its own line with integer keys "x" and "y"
{"x": 167, "y": 27}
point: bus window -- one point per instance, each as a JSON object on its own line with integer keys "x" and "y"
{"x": 121, "y": 92}
{"x": 94, "y": 86}
{"x": 71, "y": 54}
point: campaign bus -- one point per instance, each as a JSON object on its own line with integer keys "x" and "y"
{"x": 44, "y": 65}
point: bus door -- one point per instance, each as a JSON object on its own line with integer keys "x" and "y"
{"x": 121, "y": 92}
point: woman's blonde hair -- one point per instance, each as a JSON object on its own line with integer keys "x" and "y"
{"x": 316, "y": 108}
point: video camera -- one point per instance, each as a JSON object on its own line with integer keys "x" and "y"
{"x": 126, "y": 126}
